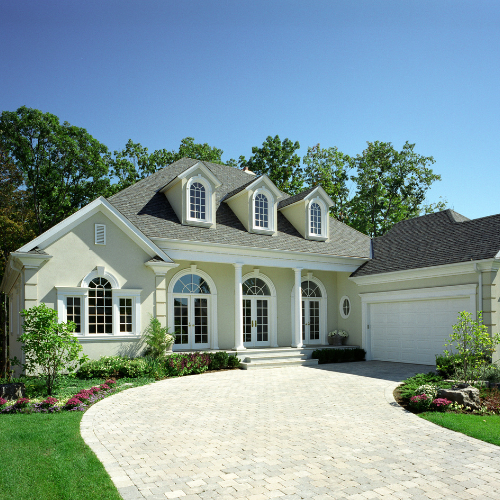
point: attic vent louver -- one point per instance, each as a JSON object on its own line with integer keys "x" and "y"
{"x": 100, "y": 234}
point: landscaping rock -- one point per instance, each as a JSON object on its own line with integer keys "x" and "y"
{"x": 12, "y": 392}
{"x": 462, "y": 394}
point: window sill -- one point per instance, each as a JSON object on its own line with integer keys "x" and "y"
{"x": 199, "y": 223}
{"x": 91, "y": 337}
{"x": 316, "y": 237}
{"x": 259, "y": 230}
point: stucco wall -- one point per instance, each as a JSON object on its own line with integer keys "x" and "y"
{"x": 352, "y": 324}
{"x": 75, "y": 255}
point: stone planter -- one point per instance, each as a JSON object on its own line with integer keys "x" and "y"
{"x": 335, "y": 340}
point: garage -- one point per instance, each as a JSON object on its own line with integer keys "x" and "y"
{"x": 411, "y": 326}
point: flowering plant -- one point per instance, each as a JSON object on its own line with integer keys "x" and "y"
{"x": 2, "y": 401}
{"x": 420, "y": 402}
{"x": 22, "y": 402}
{"x": 441, "y": 404}
{"x": 50, "y": 401}
{"x": 429, "y": 390}
{"x": 340, "y": 333}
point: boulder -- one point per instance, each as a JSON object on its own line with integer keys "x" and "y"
{"x": 462, "y": 394}
{"x": 12, "y": 392}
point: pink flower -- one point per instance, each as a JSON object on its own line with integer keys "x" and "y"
{"x": 105, "y": 387}
{"x": 74, "y": 401}
{"x": 96, "y": 389}
{"x": 22, "y": 402}
{"x": 50, "y": 401}
{"x": 2, "y": 401}
{"x": 110, "y": 382}
{"x": 442, "y": 402}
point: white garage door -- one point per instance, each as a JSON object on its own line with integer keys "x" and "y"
{"x": 413, "y": 331}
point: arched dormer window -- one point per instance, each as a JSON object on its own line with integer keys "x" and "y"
{"x": 263, "y": 211}
{"x": 199, "y": 201}
{"x": 315, "y": 219}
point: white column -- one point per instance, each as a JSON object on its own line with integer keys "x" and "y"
{"x": 297, "y": 301}
{"x": 238, "y": 308}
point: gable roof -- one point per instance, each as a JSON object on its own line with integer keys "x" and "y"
{"x": 148, "y": 209}
{"x": 433, "y": 240}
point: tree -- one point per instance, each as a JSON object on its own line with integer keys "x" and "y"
{"x": 62, "y": 166}
{"x": 135, "y": 163}
{"x": 16, "y": 228}
{"x": 279, "y": 161}
{"x": 49, "y": 347}
{"x": 474, "y": 345}
{"x": 390, "y": 186}
{"x": 330, "y": 168}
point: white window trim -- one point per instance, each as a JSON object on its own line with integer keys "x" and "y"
{"x": 63, "y": 292}
{"x": 324, "y": 220}
{"x": 324, "y": 307}
{"x": 270, "y": 212}
{"x": 213, "y": 340}
{"x": 273, "y": 316}
{"x": 208, "y": 220}
{"x": 341, "y": 307}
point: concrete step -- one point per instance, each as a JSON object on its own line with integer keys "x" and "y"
{"x": 276, "y": 363}
{"x": 273, "y": 355}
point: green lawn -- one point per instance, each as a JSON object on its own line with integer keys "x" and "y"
{"x": 483, "y": 427}
{"x": 45, "y": 458}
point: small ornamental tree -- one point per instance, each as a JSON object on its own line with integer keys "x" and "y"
{"x": 474, "y": 345}
{"x": 158, "y": 339}
{"x": 49, "y": 346}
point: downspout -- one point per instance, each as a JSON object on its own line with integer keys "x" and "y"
{"x": 480, "y": 291}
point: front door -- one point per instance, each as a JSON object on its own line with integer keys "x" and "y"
{"x": 310, "y": 321}
{"x": 255, "y": 322}
{"x": 191, "y": 322}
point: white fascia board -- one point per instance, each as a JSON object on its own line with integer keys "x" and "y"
{"x": 98, "y": 205}
{"x": 438, "y": 292}
{"x": 10, "y": 275}
{"x": 497, "y": 256}
{"x": 269, "y": 183}
{"x": 216, "y": 182}
{"x": 319, "y": 191}
{"x": 226, "y": 254}
{"x": 415, "y": 274}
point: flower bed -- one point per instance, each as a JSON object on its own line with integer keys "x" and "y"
{"x": 81, "y": 401}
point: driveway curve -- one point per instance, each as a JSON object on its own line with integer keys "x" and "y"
{"x": 326, "y": 432}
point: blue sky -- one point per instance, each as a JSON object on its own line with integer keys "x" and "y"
{"x": 230, "y": 73}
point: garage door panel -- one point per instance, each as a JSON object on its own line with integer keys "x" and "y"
{"x": 413, "y": 331}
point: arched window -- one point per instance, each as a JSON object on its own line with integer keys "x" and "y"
{"x": 315, "y": 219}
{"x": 255, "y": 286}
{"x": 101, "y": 306}
{"x": 197, "y": 201}
{"x": 191, "y": 283}
{"x": 310, "y": 289}
{"x": 261, "y": 211}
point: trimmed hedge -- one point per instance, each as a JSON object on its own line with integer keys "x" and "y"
{"x": 174, "y": 365}
{"x": 339, "y": 355}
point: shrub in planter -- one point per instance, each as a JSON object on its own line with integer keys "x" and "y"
{"x": 339, "y": 355}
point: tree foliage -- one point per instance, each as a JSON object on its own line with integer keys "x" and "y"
{"x": 62, "y": 166}
{"x": 49, "y": 346}
{"x": 134, "y": 163}
{"x": 330, "y": 169}
{"x": 279, "y": 161}
{"x": 390, "y": 186}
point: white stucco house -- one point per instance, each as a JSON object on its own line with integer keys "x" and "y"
{"x": 228, "y": 261}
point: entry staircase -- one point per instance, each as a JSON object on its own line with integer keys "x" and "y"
{"x": 279, "y": 357}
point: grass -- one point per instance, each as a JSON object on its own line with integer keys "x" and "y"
{"x": 483, "y": 427}
{"x": 44, "y": 456}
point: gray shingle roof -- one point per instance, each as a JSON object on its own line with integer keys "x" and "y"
{"x": 151, "y": 212}
{"x": 433, "y": 240}
{"x": 295, "y": 198}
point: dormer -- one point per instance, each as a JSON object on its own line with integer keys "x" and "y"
{"x": 192, "y": 196}
{"x": 308, "y": 213}
{"x": 256, "y": 205}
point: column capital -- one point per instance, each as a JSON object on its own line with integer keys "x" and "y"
{"x": 237, "y": 265}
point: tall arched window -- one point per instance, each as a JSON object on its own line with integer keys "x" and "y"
{"x": 197, "y": 200}
{"x": 261, "y": 211}
{"x": 100, "y": 306}
{"x": 315, "y": 219}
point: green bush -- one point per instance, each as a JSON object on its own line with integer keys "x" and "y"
{"x": 178, "y": 365}
{"x": 339, "y": 355}
{"x": 447, "y": 366}
{"x": 492, "y": 374}
{"x": 114, "y": 366}
{"x": 218, "y": 360}
{"x": 411, "y": 385}
{"x": 233, "y": 362}
{"x": 158, "y": 339}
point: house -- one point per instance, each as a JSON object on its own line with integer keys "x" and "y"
{"x": 228, "y": 261}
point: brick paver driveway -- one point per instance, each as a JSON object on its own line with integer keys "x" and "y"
{"x": 332, "y": 431}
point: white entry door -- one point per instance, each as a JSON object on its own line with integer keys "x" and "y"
{"x": 311, "y": 315}
{"x": 256, "y": 322}
{"x": 191, "y": 322}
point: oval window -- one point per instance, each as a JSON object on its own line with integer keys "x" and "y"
{"x": 345, "y": 307}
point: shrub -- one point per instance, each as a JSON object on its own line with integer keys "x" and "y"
{"x": 338, "y": 355}
{"x": 441, "y": 404}
{"x": 178, "y": 365}
{"x": 114, "y": 366}
{"x": 412, "y": 386}
{"x": 218, "y": 360}
{"x": 474, "y": 345}
{"x": 49, "y": 346}
{"x": 158, "y": 339}
{"x": 492, "y": 374}
{"x": 233, "y": 362}
{"x": 420, "y": 402}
